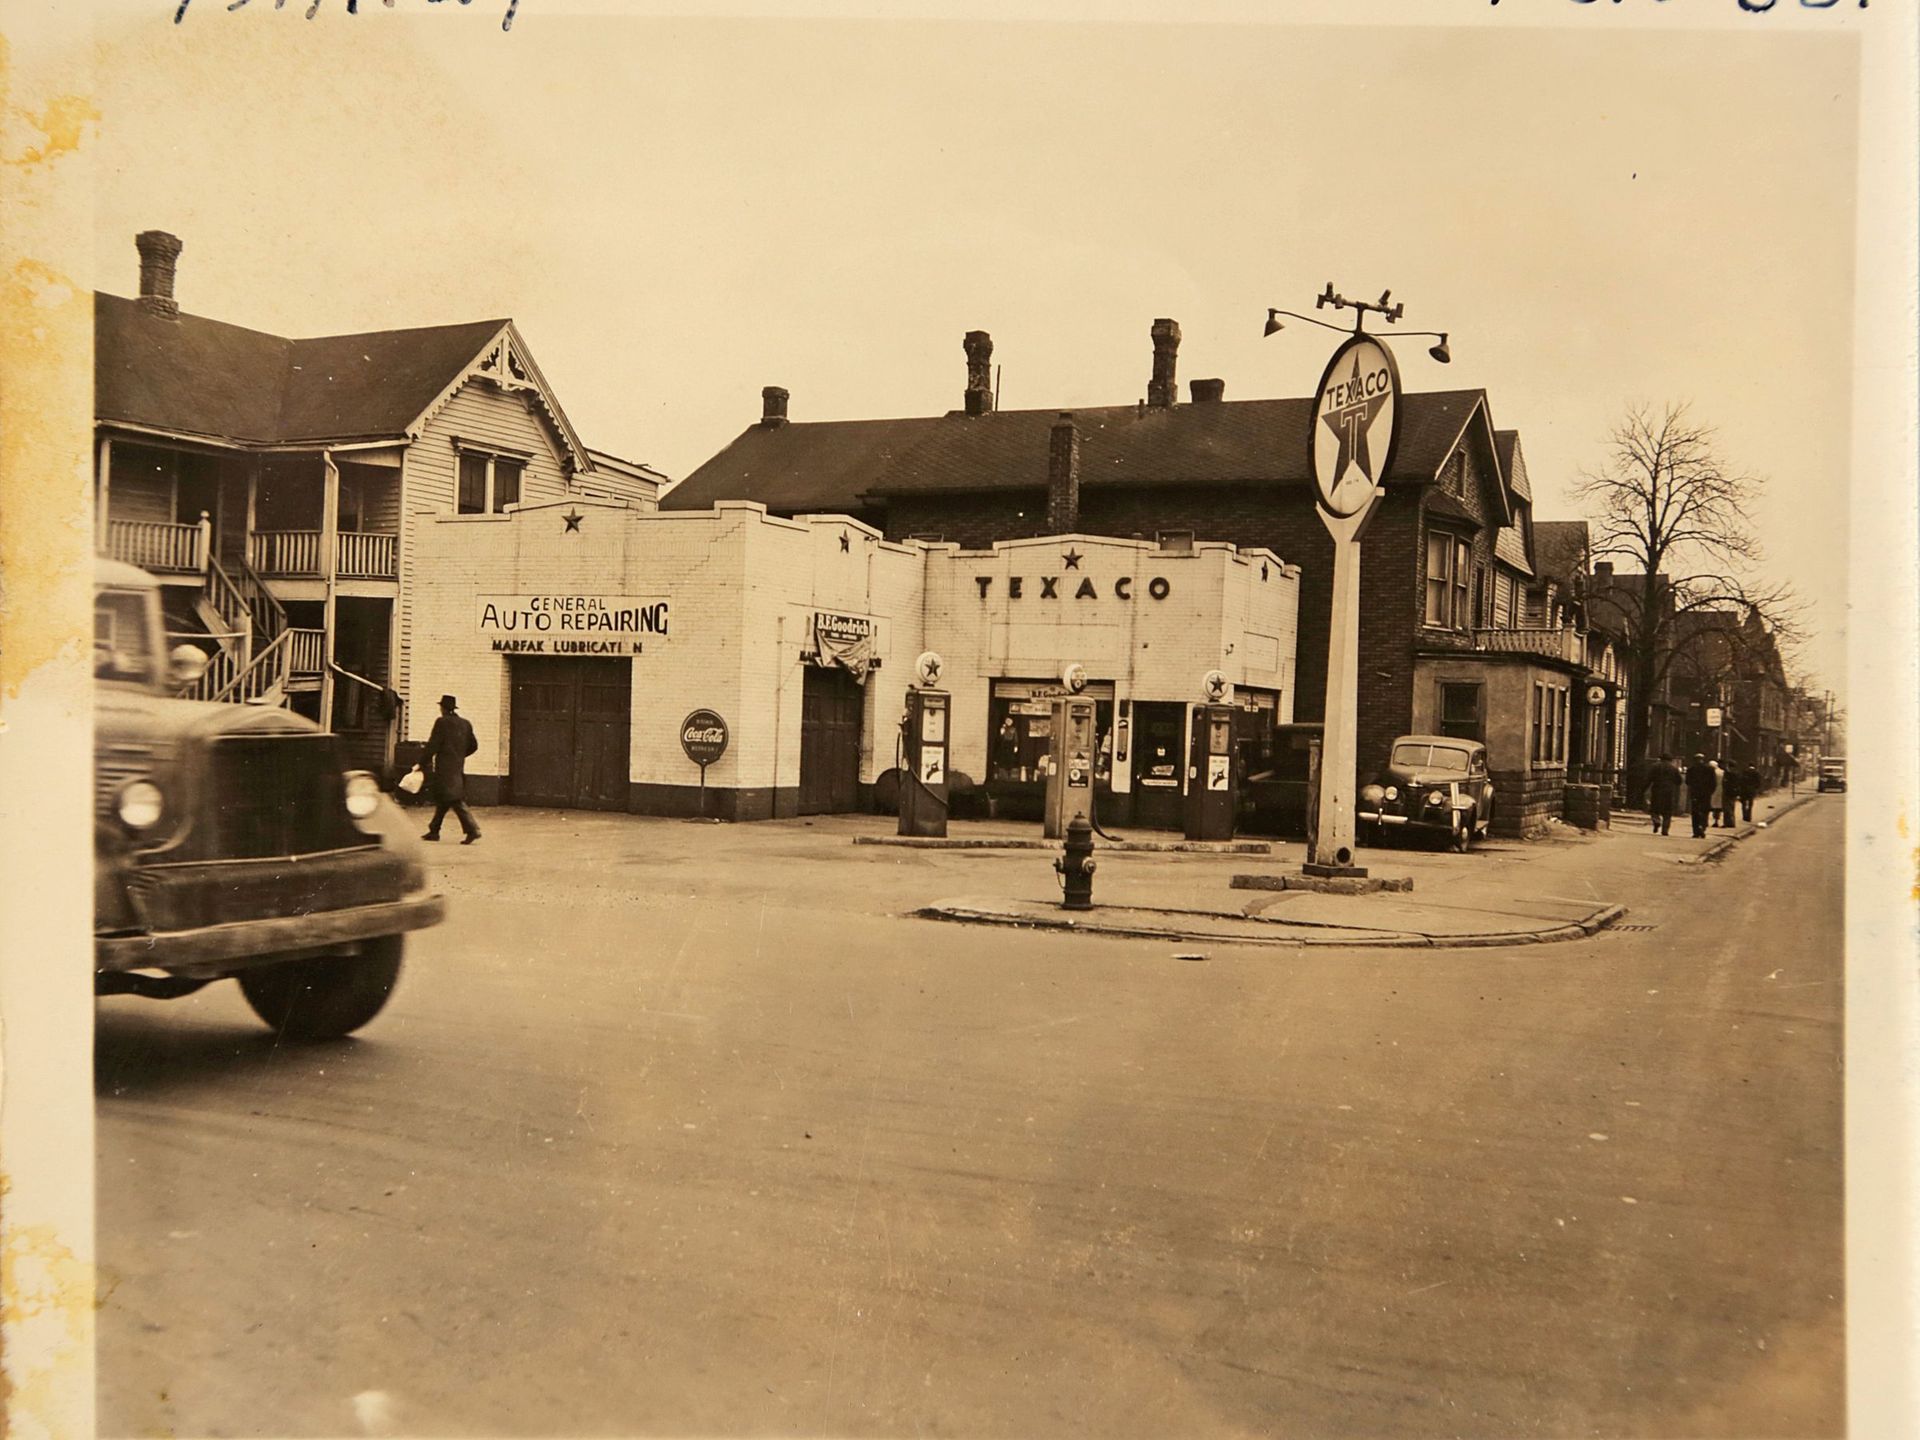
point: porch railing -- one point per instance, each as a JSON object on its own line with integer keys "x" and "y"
{"x": 158, "y": 546}
{"x": 306, "y": 652}
{"x": 284, "y": 553}
{"x": 1566, "y": 644}
{"x": 363, "y": 555}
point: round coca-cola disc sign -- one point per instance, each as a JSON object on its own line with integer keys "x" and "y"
{"x": 703, "y": 735}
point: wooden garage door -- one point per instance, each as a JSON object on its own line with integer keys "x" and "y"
{"x": 572, "y": 720}
{"x": 831, "y": 703}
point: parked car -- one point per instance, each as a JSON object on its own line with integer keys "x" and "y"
{"x": 1833, "y": 773}
{"x": 230, "y": 842}
{"x": 1431, "y": 783}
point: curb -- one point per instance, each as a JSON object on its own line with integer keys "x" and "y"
{"x": 1582, "y": 929}
{"x": 1123, "y": 847}
{"x": 1718, "y": 850}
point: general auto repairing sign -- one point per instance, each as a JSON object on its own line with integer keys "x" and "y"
{"x": 561, "y": 624}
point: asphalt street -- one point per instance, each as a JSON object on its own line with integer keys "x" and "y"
{"x": 678, "y": 1130}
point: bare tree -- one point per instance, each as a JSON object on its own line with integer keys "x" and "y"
{"x": 1667, "y": 506}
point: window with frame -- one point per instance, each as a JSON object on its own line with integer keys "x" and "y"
{"x": 1536, "y": 748}
{"x": 1460, "y": 710}
{"x": 1462, "y": 577}
{"x": 1439, "y": 578}
{"x": 488, "y": 482}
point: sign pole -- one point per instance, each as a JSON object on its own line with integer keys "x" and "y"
{"x": 1332, "y": 841}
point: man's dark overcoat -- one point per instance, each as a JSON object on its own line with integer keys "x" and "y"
{"x": 448, "y": 746}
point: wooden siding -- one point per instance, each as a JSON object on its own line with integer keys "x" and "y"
{"x": 482, "y": 416}
{"x": 146, "y": 497}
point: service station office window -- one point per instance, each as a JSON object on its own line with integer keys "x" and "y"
{"x": 1020, "y": 726}
{"x": 488, "y": 482}
{"x": 1449, "y": 582}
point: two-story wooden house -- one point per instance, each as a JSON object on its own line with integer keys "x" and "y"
{"x": 276, "y": 486}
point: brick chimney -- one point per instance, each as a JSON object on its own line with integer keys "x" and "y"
{"x": 1603, "y": 569}
{"x": 1163, "y": 390}
{"x": 1063, "y": 476}
{"x": 773, "y": 406}
{"x": 979, "y": 372}
{"x": 1208, "y": 392}
{"x": 158, "y": 252}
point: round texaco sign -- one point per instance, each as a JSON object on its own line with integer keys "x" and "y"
{"x": 1356, "y": 419}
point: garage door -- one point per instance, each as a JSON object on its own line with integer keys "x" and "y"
{"x": 831, "y": 702}
{"x": 572, "y": 721}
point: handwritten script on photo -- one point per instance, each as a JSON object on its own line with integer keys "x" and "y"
{"x": 353, "y": 8}
{"x": 1754, "y": 7}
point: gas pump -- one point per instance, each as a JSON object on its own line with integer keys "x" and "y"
{"x": 923, "y": 783}
{"x": 1070, "y": 777}
{"x": 1213, "y": 774}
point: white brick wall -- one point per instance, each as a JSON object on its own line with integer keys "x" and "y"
{"x": 744, "y": 586}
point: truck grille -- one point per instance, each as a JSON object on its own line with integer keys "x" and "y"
{"x": 275, "y": 795}
{"x": 113, "y": 767}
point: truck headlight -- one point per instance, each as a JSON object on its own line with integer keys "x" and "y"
{"x": 141, "y": 805}
{"x": 363, "y": 794}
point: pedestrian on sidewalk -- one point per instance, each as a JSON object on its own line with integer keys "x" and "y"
{"x": 1749, "y": 790}
{"x": 1719, "y": 805}
{"x": 1700, "y": 781}
{"x": 448, "y": 746}
{"x": 1663, "y": 789}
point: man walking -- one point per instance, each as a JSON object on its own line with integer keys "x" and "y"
{"x": 1663, "y": 789}
{"x": 448, "y": 747}
{"x": 1700, "y": 780}
{"x": 1749, "y": 789}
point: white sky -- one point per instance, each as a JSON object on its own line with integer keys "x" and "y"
{"x": 678, "y": 212}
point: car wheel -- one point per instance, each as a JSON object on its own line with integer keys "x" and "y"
{"x": 328, "y": 996}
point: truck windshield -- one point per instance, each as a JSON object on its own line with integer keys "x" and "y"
{"x": 122, "y": 646}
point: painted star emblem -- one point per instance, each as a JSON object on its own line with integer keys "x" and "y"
{"x": 846, "y": 545}
{"x": 932, "y": 668}
{"x": 1263, "y": 569}
{"x": 573, "y": 519}
{"x": 1350, "y": 423}
{"x": 1072, "y": 559}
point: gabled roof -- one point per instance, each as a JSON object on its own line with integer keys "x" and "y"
{"x": 1510, "y": 541}
{"x": 841, "y": 464}
{"x": 1560, "y": 549}
{"x": 204, "y": 378}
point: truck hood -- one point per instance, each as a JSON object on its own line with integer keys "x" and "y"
{"x": 126, "y": 713}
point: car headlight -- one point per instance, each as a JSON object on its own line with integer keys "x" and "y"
{"x": 363, "y": 794}
{"x": 1434, "y": 797}
{"x": 1393, "y": 792}
{"x": 141, "y": 805}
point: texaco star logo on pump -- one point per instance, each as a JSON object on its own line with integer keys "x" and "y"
{"x": 1356, "y": 415}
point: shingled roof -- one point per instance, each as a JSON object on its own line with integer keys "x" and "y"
{"x": 846, "y": 464}
{"x": 1560, "y": 548}
{"x": 1510, "y": 541}
{"x": 193, "y": 376}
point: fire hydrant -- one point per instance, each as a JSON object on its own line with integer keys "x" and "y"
{"x": 1075, "y": 866}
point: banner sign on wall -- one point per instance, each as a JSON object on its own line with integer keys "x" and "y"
{"x": 572, "y": 624}
{"x": 845, "y": 640}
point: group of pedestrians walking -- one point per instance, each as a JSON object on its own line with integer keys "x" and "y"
{"x": 1707, "y": 791}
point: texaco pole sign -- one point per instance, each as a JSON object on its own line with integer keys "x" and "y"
{"x": 1356, "y": 420}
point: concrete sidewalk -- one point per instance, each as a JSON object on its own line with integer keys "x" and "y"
{"x": 1502, "y": 893}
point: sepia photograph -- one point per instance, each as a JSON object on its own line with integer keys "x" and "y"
{"x": 978, "y": 721}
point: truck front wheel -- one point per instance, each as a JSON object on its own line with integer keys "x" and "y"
{"x": 328, "y": 996}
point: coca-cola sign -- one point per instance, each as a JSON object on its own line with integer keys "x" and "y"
{"x": 703, "y": 735}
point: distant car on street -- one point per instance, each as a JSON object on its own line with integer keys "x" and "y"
{"x": 1833, "y": 773}
{"x": 230, "y": 842}
{"x": 1431, "y": 783}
